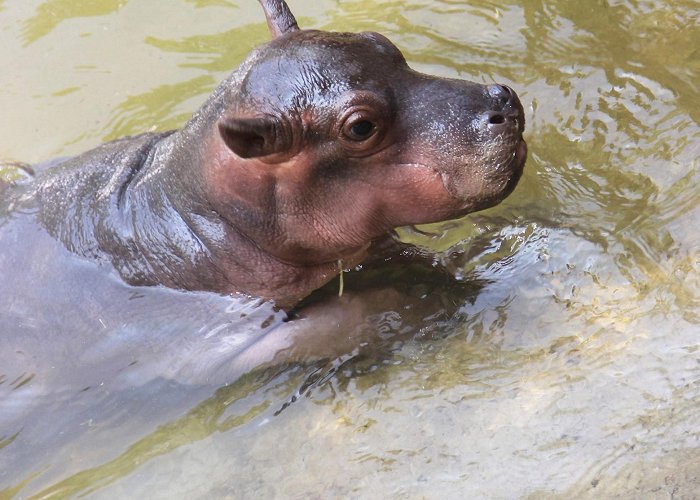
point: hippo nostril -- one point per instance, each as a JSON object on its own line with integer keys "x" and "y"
{"x": 497, "y": 119}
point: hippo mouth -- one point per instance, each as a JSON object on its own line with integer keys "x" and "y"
{"x": 514, "y": 167}
{"x": 517, "y": 163}
{"x": 498, "y": 182}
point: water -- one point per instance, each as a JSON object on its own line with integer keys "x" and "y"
{"x": 569, "y": 362}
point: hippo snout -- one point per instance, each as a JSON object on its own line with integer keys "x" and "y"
{"x": 472, "y": 135}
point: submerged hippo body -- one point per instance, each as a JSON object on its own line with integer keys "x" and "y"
{"x": 318, "y": 145}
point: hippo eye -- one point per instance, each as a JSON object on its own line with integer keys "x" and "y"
{"x": 362, "y": 129}
{"x": 359, "y": 130}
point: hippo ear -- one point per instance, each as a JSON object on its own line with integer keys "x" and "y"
{"x": 280, "y": 19}
{"x": 252, "y": 137}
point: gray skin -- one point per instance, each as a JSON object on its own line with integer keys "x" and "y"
{"x": 310, "y": 153}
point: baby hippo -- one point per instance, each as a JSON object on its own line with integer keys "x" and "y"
{"x": 304, "y": 160}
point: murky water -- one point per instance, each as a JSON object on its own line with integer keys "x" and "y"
{"x": 570, "y": 365}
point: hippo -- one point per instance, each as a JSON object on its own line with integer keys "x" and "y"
{"x": 301, "y": 163}
{"x": 152, "y": 263}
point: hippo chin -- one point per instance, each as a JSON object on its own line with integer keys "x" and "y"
{"x": 308, "y": 155}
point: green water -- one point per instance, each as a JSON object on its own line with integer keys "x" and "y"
{"x": 574, "y": 370}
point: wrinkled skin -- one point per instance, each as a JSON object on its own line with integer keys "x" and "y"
{"x": 311, "y": 153}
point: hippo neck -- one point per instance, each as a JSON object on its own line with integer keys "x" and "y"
{"x": 145, "y": 235}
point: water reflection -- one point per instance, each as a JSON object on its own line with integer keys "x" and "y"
{"x": 229, "y": 408}
{"x": 566, "y": 362}
{"x": 211, "y": 3}
{"x": 168, "y": 106}
{"x": 164, "y": 107}
{"x": 218, "y": 52}
{"x": 51, "y": 13}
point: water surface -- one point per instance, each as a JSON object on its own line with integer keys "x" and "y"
{"x": 570, "y": 365}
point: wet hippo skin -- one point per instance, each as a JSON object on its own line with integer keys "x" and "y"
{"x": 305, "y": 159}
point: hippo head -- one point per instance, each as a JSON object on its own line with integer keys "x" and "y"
{"x": 328, "y": 140}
